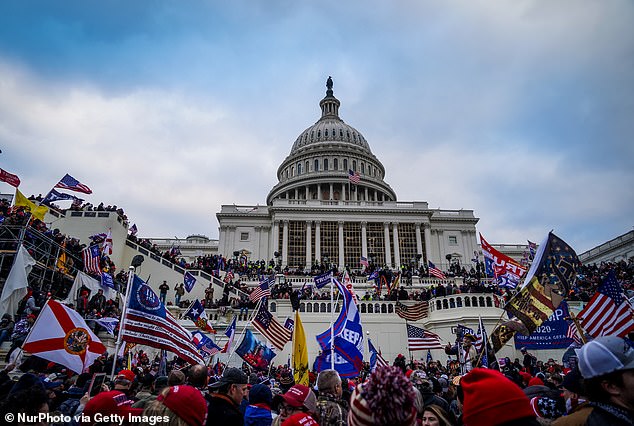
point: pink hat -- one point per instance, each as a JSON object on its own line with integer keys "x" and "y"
{"x": 187, "y": 403}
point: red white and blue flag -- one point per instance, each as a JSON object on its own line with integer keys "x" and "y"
{"x": 608, "y": 313}
{"x": 92, "y": 259}
{"x": 106, "y": 248}
{"x": 435, "y": 271}
{"x": 147, "y": 322}
{"x": 263, "y": 290}
{"x": 419, "y": 339}
{"x": 72, "y": 184}
{"x": 354, "y": 177}
{"x": 205, "y": 345}
{"x": 364, "y": 261}
{"x": 230, "y": 332}
{"x": 189, "y": 281}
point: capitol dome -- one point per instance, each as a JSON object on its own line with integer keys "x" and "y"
{"x": 322, "y": 158}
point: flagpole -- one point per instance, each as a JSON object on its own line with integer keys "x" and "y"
{"x": 332, "y": 324}
{"x": 244, "y": 329}
{"x": 580, "y": 330}
{"x": 131, "y": 271}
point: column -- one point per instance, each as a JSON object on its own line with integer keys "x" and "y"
{"x": 419, "y": 243}
{"x": 276, "y": 237}
{"x": 397, "y": 250}
{"x": 331, "y": 196}
{"x": 427, "y": 236}
{"x": 318, "y": 240}
{"x": 388, "y": 251}
{"x": 442, "y": 247}
{"x": 285, "y": 244}
{"x": 222, "y": 240}
{"x": 309, "y": 253}
{"x": 297, "y": 193}
{"x": 231, "y": 241}
{"x": 364, "y": 240}
{"x": 341, "y": 257}
{"x": 319, "y": 191}
{"x": 366, "y": 193}
{"x": 256, "y": 243}
{"x": 307, "y": 193}
{"x": 376, "y": 197}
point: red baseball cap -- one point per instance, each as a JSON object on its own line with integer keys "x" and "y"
{"x": 300, "y": 395}
{"x": 112, "y": 402}
{"x": 187, "y": 403}
{"x": 127, "y": 374}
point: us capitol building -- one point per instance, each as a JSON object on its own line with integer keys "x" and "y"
{"x": 314, "y": 213}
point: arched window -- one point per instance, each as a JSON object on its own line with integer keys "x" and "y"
{"x": 438, "y": 305}
{"x": 370, "y": 308}
{"x": 489, "y": 303}
{"x": 302, "y": 308}
{"x": 299, "y": 168}
{"x": 307, "y": 167}
{"x": 354, "y": 165}
{"x": 459, "y": 302}
{"x": 335, "y": 164}
{"x": 390, "y": 309}
{"x": 286, "y": 173}
{"x": 340, "y": 133}
{"x": 309, "y": 307}
{"x": 318, "y": 134}
{"x": 383, "y": 309}
{"x": 363, "y": 308}
{"x": 325, "y": 164}
{"x": 316, "y": 165}
{"x": 312, "y": 135}
{"x": 452, "y": 303}
{"x": 273, "y": 307}
{"x": 326, "y": 133}
{"x": 345, "y": 164}
{"x": 348, "y": 134}
{"x": 362, "y": 168}
{"x": 467, "y": 302}
{"x": 292, "y": 171}
{"x": 323, "y": 307}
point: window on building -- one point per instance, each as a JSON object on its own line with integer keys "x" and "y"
{"x": 316, "y": 165}
{"x": 307, "y": 166}
{"x": 335, "y": 164}
{"x": 354, "y": 165}
{"x": 362, "y": 168}
{"x": 299, "y": 168}
{"x": 345, "y": 164}
{"x": 453, "y": 240}
{"x": 325, "y": 164}
{"x": 244, "y": 236}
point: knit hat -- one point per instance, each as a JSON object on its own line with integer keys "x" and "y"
{"x": 387, "y": 398}
{"x": 260, "y": 394}
{"x": 573, "y": 382}
{"x": 604, "y": 355}
{"x": 187, "y": 403}
{"x": 492, "y": 399}
{"x": 112, "y": 402}
{"x": 546, "y": 408}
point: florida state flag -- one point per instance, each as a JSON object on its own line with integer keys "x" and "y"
{"x": 62, "y": 336}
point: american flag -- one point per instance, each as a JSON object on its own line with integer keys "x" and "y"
{"x": 608, "y": 313}
{"x": 205, "y": 345}
{"x": 354, "y": 177}
{"x": 364, "y": 261}
{"x": 263, "y": 290}
{"x": 270, "y": 328}
{"x": 436, "y": 272}
{"x": 419, "y": 339}
{"x": 92, "y": 259}
{"x": 573, "y": 334}
{"x": 229, "y": 276}
{"x": 376, "y": 360}
{"x": 72, "y": 184}
{"x": 412, "y": 313}
{"x": 147, "y": 322}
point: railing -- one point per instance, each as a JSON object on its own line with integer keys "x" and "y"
{"x": 466, "y": 300}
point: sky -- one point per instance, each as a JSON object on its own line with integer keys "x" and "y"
{"x": 519, "y": 110}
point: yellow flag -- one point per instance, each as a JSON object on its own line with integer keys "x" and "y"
{"x": 61, "y": 260}
{"x": 37, "y": 211}
{"x": 300, "y": 352}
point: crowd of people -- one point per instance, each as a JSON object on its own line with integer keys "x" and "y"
{"x": 597, "y": 389}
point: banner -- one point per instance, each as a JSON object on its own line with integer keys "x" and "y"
{"x": 506, "y": 270}
{"x": 551, "y": 334}
{"x": 254, "y": 352}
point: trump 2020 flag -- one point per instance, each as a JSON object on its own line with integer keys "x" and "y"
{"x": 189, "y": 280}
{"x": 62, "y": 336}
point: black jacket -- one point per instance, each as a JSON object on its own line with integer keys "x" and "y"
{"x": 222, "y": 411}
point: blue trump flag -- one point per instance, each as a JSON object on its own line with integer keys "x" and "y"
{"x": 323, "y": 279}
{"x": 348, "y": 339}
{"x": 551, "y": 334}
{"x": 189, "y": 280}
{"x": 254, "y": 352}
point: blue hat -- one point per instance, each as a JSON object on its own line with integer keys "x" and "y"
{"x": 260, "y": 394}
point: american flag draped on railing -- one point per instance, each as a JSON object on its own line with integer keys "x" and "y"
{"x": 147, "y": 322}
{"x": 412, "y": 313}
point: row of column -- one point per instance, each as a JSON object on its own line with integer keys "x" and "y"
{"x": 344, "y": 188}
{"x": 364, "y": 242}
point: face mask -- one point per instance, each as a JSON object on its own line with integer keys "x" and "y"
{"x": 572, "y": 403}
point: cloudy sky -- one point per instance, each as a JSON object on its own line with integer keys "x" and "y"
{"x": 520, "y": 110}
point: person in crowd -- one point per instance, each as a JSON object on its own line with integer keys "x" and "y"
{"x": 6, "y": 328}
{"x": 20, "y": 331}
{"x": 492, "y": 399}
{"x": 258, "y": 412}
{"x": 332, "y": 410}
{"x": 31, "y": 303}
{"x": 182, "y": 405}
{"x": 158, "y": 384}
{"x": 123, "y": 382}
{"x": 433, "y": 415}
{"x": 179, "y": 291}
{"x": 467, "y": 353}
{"x": 607, "y": 367}
{"x": 529, "y": 362}
{"x": 575, "y": 400}
{"x": 209, "y": 295}
{"x": 225, "y": 397}
{"x": 98, "y": 302}
{"x": 387, "y": 398}
{"x": 297, "y": 407}
{"x": 176, "y": 377}
{"x": 197, "y": 377}
{"x": 163, "y": 289}
{"x": 107, "y": 404}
